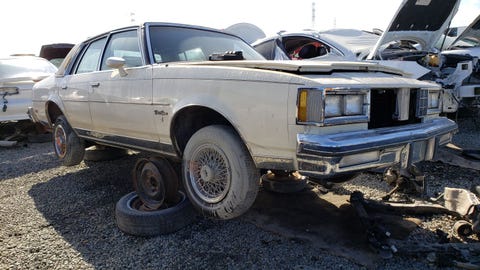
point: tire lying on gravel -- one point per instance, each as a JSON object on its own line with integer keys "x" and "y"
{"x": 133, "y": 219}
{"x": 219, "y": 175}
{"x": 68, "y": 147}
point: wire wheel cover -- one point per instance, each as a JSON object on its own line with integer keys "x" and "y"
{"x": 209, "y": 173}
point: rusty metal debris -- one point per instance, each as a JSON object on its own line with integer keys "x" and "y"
{"x": 460, "y": 203}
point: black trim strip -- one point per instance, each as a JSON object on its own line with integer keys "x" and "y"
{"x": 131, "y": 143}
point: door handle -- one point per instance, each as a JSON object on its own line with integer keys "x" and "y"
{"x": 64, "y": 87}
{"x": 94, "y": 84}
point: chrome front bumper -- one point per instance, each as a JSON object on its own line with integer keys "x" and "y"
{"x": 324, "y": 156}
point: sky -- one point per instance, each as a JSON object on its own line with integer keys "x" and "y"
{"x": 28, "y": 24}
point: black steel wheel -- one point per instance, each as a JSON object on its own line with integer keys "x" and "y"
{"x": 155, "y": 182}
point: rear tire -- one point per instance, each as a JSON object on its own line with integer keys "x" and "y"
{"x": 219, "y": 175}
{"x": 68, "y": 147}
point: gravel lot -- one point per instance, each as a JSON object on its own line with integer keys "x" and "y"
{"x": 54, "y": 217}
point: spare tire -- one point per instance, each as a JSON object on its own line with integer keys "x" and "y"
{"x": 133, "y": 219}
{"x": 289, "y": 183}
{"x": 103, "y": 153}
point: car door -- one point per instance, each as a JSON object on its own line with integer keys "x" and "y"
{"x": 121, "y": 104}
{"x": 76, "y": 87}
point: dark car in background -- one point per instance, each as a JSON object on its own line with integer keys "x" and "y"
{"x": 55, "y": 53}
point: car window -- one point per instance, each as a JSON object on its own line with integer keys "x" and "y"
{"x": 266, "y": 49}
{"x": 170, "y": 44}
{"x": 91, "y": 57}
{"x": 304, "y": 47}
{"x": 124, "y": 45}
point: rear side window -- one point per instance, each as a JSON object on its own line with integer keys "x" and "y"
{"x": 124, "y": 45}
{"x": 91, "y": 57}
{"x": 266, "y": 49}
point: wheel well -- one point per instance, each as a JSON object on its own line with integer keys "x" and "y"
{"x": 53, "y": 112}
{"x": 189, "y": 120}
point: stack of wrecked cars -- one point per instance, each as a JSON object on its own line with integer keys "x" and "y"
{"x": 410, "y": 43}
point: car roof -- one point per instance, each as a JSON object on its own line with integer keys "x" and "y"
{"x": 148, "y": 24}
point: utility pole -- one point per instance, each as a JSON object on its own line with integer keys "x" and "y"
{"x": 313, "y": 15}
{"x": 132, "y": 17}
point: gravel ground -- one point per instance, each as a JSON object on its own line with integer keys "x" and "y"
{"x": 54, "y": 217}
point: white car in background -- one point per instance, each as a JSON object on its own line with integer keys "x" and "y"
{"x": 334, "y": 44}
{"x": 467, "y": 48}
{"x": 18, "y": 74}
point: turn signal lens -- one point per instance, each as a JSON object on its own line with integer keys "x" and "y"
{"x": 302, "y": 105}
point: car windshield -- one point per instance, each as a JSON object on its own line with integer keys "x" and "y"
{"x": 467, "y": 42}
{"x": 171, "y": 44}
{"x": 15, "y": 66}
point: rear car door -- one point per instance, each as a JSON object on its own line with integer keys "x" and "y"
{"x": 121, "y": 104}
{"x": 75, "y": 88}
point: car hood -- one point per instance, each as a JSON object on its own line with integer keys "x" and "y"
{"x": 471, "y": 35}
{"x": 422, "y": 21}
{"x": 299, "y": 66}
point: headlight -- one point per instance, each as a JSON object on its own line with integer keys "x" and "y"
{"x": 433, "y": 99}
{"x": 429, "y": 101}
{"x": 344, "y": 105}
{"x": 333, "y": 106}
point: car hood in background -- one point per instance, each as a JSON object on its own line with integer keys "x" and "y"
{"x": 471, "y": 35}
{"x": 422, "y": 21}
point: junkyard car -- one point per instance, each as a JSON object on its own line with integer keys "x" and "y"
{"x": 412, "y": 37}
{"x": 17, "y": 76}
{"x": 466, "y": 50}
{"x": 207, "y": 99}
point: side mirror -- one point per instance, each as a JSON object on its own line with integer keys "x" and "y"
{"x": 117, "y": 63}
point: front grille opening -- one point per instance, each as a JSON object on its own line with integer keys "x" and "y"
{"x": 383, "y": 108}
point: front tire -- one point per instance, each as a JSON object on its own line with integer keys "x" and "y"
{"x": 68, "y": 147}
{"x": 219, "y": 175}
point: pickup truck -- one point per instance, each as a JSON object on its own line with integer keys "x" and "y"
{"x": 205, "y": 99}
